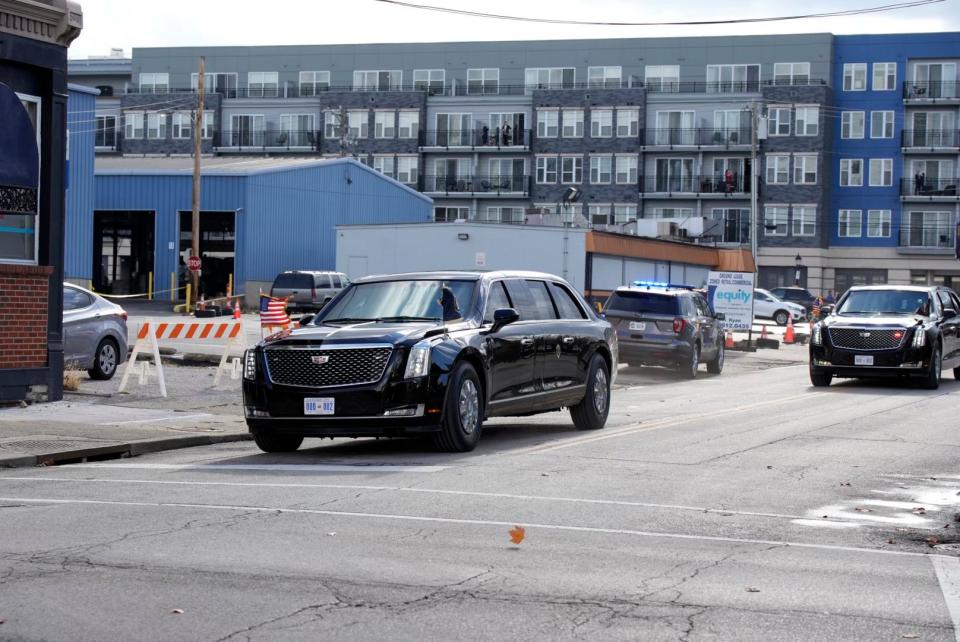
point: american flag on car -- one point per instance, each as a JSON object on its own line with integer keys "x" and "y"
{"x": 273, "y": 311}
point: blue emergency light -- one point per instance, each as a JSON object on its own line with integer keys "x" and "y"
{"x": 658, "y": 284}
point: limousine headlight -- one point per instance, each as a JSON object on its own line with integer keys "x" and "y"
{"x": 418, "y": 361}
{"x": 250, "y": 365}
{"x": 919, "y": 337}
{"x": 817, "y": 338}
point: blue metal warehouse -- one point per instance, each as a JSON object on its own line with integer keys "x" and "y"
{"x": 259, "y": 216}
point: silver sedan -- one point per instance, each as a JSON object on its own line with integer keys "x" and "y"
{"x": 95, "y": 332}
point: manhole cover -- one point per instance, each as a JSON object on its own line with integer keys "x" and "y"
{"x": 32, "y": 445}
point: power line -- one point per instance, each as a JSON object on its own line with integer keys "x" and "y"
{"x": 825, "y": 14}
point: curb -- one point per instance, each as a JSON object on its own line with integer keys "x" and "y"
{"x": 120, "y": 450}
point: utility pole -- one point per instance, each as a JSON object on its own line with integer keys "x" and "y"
{"x": 754, "y": 206}
{"x": 197, "y": 140}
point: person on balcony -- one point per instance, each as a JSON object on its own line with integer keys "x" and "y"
{"x": 728, "y": 180}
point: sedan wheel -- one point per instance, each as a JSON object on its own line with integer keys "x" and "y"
{"x": 105, "y": 360}
{"x": 781, "y": 317}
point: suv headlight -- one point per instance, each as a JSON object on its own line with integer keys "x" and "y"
{"x": 919, "y": 337}
{"x": 418, "y": 361}
{"x": 817, "y": 338}
{"x": 250, "y": 365}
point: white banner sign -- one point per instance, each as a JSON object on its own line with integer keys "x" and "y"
{"x": 732, "y": 294}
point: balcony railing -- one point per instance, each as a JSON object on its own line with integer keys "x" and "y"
{"x": 719, "y": 184}
{"x": 477, "y": 184}
{"x": 299, "y": 140}
{"x": 930, "y": 138}
{"x": 929, "y": 187}
{"x": 697, "y": 136}
{"x": 483, "y": 138}
{"x": 931, "y": 89}
{"x": 933, "y": 237}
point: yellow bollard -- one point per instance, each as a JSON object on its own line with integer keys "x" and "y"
{"x": 187, "y": 308}
{"x": 173, "y": 287}
{"x": 230, "y": 285}
{"x": 150, "y": 286}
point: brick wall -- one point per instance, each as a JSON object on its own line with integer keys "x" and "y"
{"x": 23, "y": 315}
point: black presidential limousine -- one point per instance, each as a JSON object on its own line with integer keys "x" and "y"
{"x": 432, "y": 353}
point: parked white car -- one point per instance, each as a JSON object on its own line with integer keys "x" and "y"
{"x": 768, "y": 306}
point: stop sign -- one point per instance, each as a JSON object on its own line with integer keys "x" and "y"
{"x": 193, "y": 263}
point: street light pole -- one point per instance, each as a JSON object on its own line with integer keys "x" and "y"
{"x": 754, "y": 124}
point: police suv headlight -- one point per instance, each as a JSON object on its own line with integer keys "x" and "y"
{"x": 418, "y": 361}
{"x": 250, "y": 365}
{"x": 919, "y": 338}
{"x": 817, "y": 338}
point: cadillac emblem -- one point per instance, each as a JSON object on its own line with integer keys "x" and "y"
{"x": 320, "y": 359}
{"x": 864, "y": 334}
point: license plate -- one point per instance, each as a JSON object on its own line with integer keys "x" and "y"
{"x": 318, "y": 406}
{"x": 638, "y": 326}
{"x": 863, "y": 359}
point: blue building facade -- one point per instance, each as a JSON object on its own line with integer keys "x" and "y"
{"x": 258, "y": 218}
{"x": 894, "y": 179}
{"x": 81, "y": 106}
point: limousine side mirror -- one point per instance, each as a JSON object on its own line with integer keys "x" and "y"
{"x": 949, "y": 314}
{"x": 720, "y": 316}
{"x": 306, "y": 319}
{"x": 826, "y": 310}
{"x": 503, "y": 317}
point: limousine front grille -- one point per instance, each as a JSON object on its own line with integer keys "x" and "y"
{"x": 867, "y": 338}
{"x": 319, "y": 368}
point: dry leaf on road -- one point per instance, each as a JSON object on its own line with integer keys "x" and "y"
{"x": 177, "y": 611}
{"x": 517, "y": 533}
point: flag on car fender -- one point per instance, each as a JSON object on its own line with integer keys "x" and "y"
{"x": 273, "y": 311}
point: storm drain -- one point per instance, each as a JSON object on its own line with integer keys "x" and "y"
{"x": 42, "y": 445}
{"x": 62, "y": 451}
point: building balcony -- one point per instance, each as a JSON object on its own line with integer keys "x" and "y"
{"x": 479, "y": 140}
{"x": 931, "y": 189}
{"x": 930, "y": 140}
{"x": 272, "y": 91}
{"x": 931, "y": 91}
{"x": 686, "y": 139}
{"x": 924, "y": 239}
{"x": 695, "y": 186}
{"x": 489, "y": 185}
{"x": 268, "y": 140}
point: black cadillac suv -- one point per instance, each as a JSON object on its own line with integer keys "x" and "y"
{"x": 431, "y": 353}
{"x": 886, "y": 330}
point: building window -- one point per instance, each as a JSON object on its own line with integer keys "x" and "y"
{"x": 547, "y": 170}
{"x": 106, "y": 135}
{"x": 778, "y": 120}
{"x": 851, "y": 172}
{"x": 377, "y": 80}
{"x": 725, "y": 79}
{"x": 209, "y": 125}
{"x": 601, "y": 170}
{"x": 808, "y": 120}
{"x": 855, "y": 76}
{"x": 296, "y": 130}
{"x": 846, "y": 278}
{"x": 623, "y": 214}
{"x": 358, "y": 122}
{"x": 429, "y": 80}
{"x": 600, "y": 214}
{"x": 778, "y": 169}
{"x": 881, "y": 124}
{"x": 851, "y": 124}
{"x": 571, "y": 170}
{"x": 548, "y": 123}
{"x": 662, "y": 78}
{"x": 930, "y": 229}
{"x": 878, "y": 223}
{"x": 154, "y": 83}
{"x": 313, "y": 82}
{"x": 133, "y": 125}
{"x": 156, "y": 126}
{"x": 601, "y": 122}
{"x": 483, "y": 81}
{"x": 262, "y": 83}
{"x": 182, "y": 124}
{"x": 804, "y": 220}
{"x": 549, "y": 78}
{"x": 626, "y": 170}
{"x": 609, "y": 77}
{"x": 450, "y": 214}
{"x": 849, "y": 223}
{"x": 677, "y": 128}
{"x": 331, "y": 124}
{"x": 407, "y": 170}
{"x": 775, "y": 220}
{"x": 672, "y": 212}
{"x": 881, "y": 172}
{"x": 384, "y": 123}
{"x": 628, "y": 122}
{"x": 884, "y": 76}
{"x": 385, "y": 165}
{"x": 791, "y": 73}
{"x": 504, "y": 215}
{"x": 220, "y": 83}
{"x": 805, "y": 169}
{"x": 247, "y": 130}
{"x": 572, "y": 123}
{"x": 409, "y": 124}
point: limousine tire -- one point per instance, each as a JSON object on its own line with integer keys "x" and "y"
{"x": 271, "y": 442}
{"x": 463, "y": 412}
{"x": 591, "y": 413}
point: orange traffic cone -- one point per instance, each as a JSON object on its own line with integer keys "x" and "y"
{"x": 236, "y": 308}
{"x": 728, "y": 340}
{"x": 788, "y": 336}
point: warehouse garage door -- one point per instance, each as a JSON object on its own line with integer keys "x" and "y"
{"x": 122, "y": 251}
{"x": 218, "y": 244}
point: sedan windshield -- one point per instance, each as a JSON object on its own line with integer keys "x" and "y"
{"x": 401, "y": 302}
{"x": 881, "y": 302}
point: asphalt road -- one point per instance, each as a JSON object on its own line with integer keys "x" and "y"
{"x": 747, "y": 506}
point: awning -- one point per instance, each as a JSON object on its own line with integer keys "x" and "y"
{"x": 19, "y": 156}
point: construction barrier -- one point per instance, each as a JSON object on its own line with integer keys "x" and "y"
{"x": 152, "y": 333}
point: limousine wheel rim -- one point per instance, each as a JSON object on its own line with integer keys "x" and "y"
{"x": 600, "y": 391}
{"x": 469, "y": 406}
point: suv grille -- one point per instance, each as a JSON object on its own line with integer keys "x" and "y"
{"x": 867, "y": 338}
{"x": 346, "y": 367}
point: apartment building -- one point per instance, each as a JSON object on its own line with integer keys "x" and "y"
{"x": 658, "y": 136}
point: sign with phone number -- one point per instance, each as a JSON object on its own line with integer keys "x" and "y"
{"x": 732, "y": 294}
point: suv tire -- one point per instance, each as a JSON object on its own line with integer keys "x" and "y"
{"x": 463, "y": 412}
{"x": 105, "y": 360}
{"x": 271, "y": 442}
{"x": 716, "y": 366}
{"x": 932, "y": 380}
{"x": 591, "y": 413}
{"x": 781, "y": 317}
{"x": 689, "y": 370}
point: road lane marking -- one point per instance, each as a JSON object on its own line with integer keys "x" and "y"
{"x": 291, "y": 468}
{"x": 471, "y": 522}
{"x": 948, "y": 575}
{"x": 659, "y": 424}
